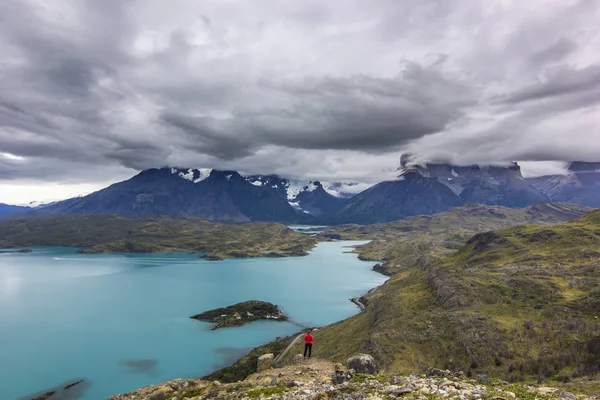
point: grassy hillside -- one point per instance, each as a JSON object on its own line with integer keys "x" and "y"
{"x": 520, "y": 303}
{"x": 401, "y": 243}
{"x": 110, "y": 233}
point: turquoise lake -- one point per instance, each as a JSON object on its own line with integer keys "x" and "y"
{"x": 65, "y": 315}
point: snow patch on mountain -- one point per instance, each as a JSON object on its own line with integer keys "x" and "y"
{"x": 204, "y": 173}
{"x": 191, "y": 174}
{"x": 293, "y": 188}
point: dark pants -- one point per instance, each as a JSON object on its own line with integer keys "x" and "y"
{"x": 307, "y": 347}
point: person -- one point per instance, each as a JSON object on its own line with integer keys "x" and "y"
{"x": 308, "y": 341}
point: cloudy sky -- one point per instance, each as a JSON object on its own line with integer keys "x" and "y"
{"x": 93, "y": 91}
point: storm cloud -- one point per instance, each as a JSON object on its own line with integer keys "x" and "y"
{"x": 92, "y": 91}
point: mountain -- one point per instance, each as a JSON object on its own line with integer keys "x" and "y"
{"x": 306, "y": 196}
{"x": 581, "y": 185}
{"x": 210, "y": 194}
{"x": 487, "y": 184}
{"x": 411, "y": 194}
{"x": 6, "y": 209}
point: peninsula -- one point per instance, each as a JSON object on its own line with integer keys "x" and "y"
{"x": 112, "y": 233}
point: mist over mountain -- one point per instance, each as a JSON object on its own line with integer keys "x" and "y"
{"x": 581, "y": 185}
{"x": 227, "y": 196}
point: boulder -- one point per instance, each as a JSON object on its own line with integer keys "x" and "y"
{"x": 434, "y": 372}
{"x": 265, "y": 362}
{"x": 565, "y": 395}
{"x": 363, "y": 364}
{"x": 297, "y": 358}
{"x": 483, "y": 379}
{"x": 338, "y": 377}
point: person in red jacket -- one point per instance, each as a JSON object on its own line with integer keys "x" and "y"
{"x": 308, "y": 341}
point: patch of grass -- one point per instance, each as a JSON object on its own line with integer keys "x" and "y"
{"x": 189, "y": 392}
{"x": 401, "y": 244}
{"x": 246, "y": 365}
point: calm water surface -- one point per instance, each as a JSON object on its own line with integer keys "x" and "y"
{"x": 122, "y": 321}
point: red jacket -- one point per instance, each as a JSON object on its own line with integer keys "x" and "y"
{"x": 308, "y": 338}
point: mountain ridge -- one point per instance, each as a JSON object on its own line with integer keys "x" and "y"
{"x": 227, "y": 196}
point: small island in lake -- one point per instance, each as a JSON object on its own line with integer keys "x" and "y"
{"x": 242, "y": 313}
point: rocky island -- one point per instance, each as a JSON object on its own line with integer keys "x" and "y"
{"x": 242, "y": 313}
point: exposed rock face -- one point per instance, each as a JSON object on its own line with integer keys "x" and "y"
{"x": 580, "y": 186}
{"x": 265, "y": 362}
{"x": 362, "y": 364}
{"x": 491, "y": 185}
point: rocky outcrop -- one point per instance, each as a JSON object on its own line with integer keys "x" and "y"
{"x": 362, "y": 364}
{"x": 298, "y": 358}
{"x": 319, "y": 379}
{"x": 265, "y": 362}
{"x": 501, "y": 185}
{"x": 69, "y": 390}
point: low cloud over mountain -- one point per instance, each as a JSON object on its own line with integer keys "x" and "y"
{"x": 310, "y": 90}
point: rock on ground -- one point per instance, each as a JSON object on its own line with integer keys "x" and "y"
{"x": 297, "y": 358}
{"x": 312, "y": 379}
{"x": 363, "y": 364}
{"x": 265, "y": 362}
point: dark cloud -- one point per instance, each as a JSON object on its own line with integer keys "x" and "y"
{"x": 309, "y": 89}
{"x": 566, "y": 81}
{"x": 353, "y": 113}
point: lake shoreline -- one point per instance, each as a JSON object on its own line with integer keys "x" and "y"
{"x": 276, "y": 343}
{"x": 150, "y": 297}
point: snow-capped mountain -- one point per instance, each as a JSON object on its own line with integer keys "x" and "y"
{"x": 227, "y": 196}
{"x": 306, "y": 196}
{"x": 176, "y": 192}
{"x": 501, "y": 185}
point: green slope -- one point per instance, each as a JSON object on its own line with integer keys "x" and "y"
{"x": 401, "y": 243}
{"x": 520, "y": 303}
{"x": 110, "y": 233}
